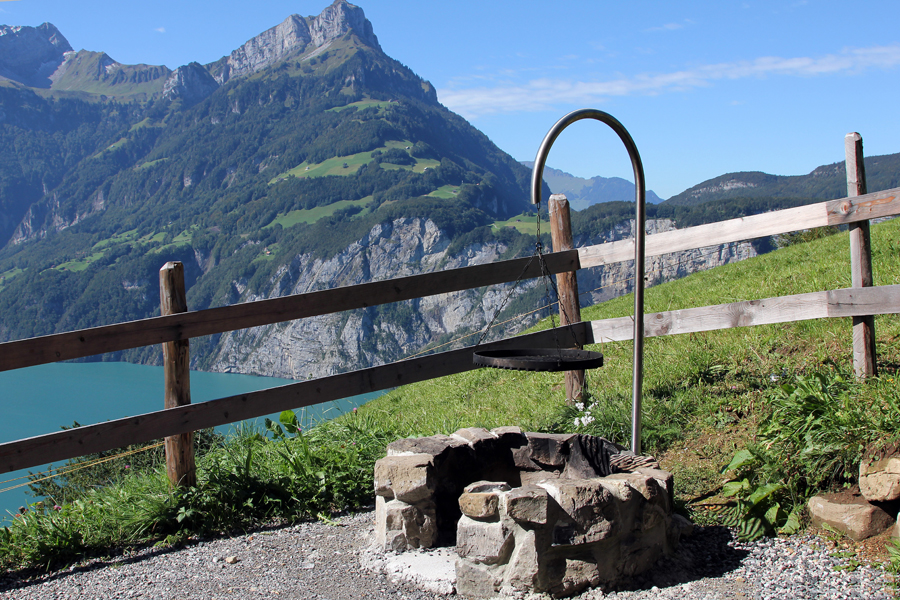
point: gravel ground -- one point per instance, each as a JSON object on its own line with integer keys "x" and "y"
{"x": 317, "y": 561}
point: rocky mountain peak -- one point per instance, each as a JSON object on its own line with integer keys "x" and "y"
{"x": 30, "y": 55}
{"x": 191, "y": 82}
{"x": 294, "y": 35}
{"x": 338, "y": 19}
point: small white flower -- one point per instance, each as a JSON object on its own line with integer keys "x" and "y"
{"x": 579, "y": 405}
{"x": 577, "y": 421}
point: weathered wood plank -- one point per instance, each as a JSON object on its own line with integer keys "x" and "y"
{"x": 864, "y": 361}
{"x": 62, "y": 445}
{"x": 146, "y": 332}
{"x": 862, "y": 208}
{"x": 711, "y": 234}
{"x": 832, "y": 212}
{"x": 566, "y": 284}
{"x": 180, "y": 466}
{"x": 846, "y": 302}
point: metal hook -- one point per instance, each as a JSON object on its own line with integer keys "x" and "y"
{"x": 537, "y": 176}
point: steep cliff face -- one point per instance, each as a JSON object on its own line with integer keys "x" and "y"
{"x": 346, "y": 341}
{"x": 329, "y": 344}
{"x": 30, "y": 55}
{"x": 295, "y": 35}
{"x": 192, "y": 83}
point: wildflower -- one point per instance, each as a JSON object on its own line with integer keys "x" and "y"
{"x": 579, "y": 405}
{"x": 57, "y": 507}
{"x": 127, "y": 466}
{"x": 354, "y": 409}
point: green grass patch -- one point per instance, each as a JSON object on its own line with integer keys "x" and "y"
{"x": 311, "y": 215}
{"x": 348, "y": 165}
{"x": 447, "y": 192}
{"x": 148, "y": 122}
{"x": 119, "y": 238}
{"x": 362, "y": 105}
{"x": 523, "y": 223}
{"x": 423, "y": 164}
{"x": 266, "y": 254}
{"x": 80, "y": 264}
{"x": 7, "y": 276}
{"x": 150, "y": 164}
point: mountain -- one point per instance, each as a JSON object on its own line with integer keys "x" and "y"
{"x": 293, "y": 150}
{"x": 823, "y": 183}
{"x": 41, "y": 57}
{"x": 583, "y": 193}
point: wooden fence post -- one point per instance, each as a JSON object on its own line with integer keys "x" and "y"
{"x": 864, "y": 363}
{"x": 176, "y": 360}
{"x": 566, "y": 283}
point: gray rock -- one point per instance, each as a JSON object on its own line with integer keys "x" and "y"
{"x": 879, "y": 480}
{"x": 855, "y": 518}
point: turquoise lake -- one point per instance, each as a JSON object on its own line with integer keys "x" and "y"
{"x": 41, "y": 399}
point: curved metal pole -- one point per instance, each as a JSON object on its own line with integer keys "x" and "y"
{"x": 537, "y": 177}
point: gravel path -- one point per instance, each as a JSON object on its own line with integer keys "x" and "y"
{"x": 317, "y": 561}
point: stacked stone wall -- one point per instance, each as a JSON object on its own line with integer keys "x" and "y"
{"x": 526, "y": 512}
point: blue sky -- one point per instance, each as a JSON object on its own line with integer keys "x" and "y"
{"x": 704, "y": 88}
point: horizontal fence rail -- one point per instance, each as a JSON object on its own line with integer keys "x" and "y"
{"x": 847, "y": 302}
{"x": 181, "y": 326}
{"x": 69, "y": 443}
{"x": 832, "y": 212}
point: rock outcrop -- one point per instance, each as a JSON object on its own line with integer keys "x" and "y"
{"x": 191, "y": 83}
{"x": 295, "y": 35}
{"x": 879, "y": 479}
{"x": 851, "y": 515}
{"x": 30, "y": 55}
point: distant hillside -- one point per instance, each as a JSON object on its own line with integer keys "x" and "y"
{"x": 823, "y": 183}
{"x": 583, "y": 193}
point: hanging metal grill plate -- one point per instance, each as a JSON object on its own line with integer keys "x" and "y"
{"x": 539, "y": 359}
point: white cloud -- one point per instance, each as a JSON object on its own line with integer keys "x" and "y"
{"x": 666, "y": 27}
{"x": 545, "y": 93}
{"x": 160, "y": 29}
{"x": 670, "y": 26}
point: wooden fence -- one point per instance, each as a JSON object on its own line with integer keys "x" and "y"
{"x": 62, "y": 445}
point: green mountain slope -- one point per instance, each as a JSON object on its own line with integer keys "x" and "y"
{"x": 823, "y": 183}
{"x": 98, "y": 193}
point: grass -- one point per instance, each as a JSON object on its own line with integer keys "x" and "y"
{"x": 100, "y": 249}
{"x": 8, "y": 275}
{"x": 362, "y": 105}
{"x": 150, "y": 164}
{"x": 312, "y": 215}
{"x": 707, "y": 398}
{"x": 447, "y": 192}
{"x": 523, "y": 223}
{"x": 348, "y": 165}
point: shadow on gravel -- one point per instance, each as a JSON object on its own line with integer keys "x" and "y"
{"x": 30, "y": 577}
{"x": 708, "y": 552}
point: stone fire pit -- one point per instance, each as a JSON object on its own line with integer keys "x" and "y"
{"x": 527, "y": 512}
